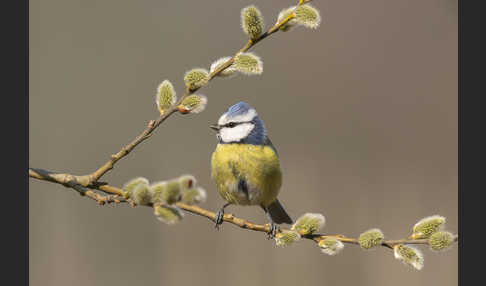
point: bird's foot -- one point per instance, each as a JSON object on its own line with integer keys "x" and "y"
{"x": 274, "y": 229}
{"x": 219, "y": 218}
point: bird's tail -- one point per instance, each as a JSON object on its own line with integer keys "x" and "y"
{"x": 278, "y": 214}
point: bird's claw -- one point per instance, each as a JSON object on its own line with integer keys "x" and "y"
{"x": 219, "y": 218}
{"x": 274, "y": 229}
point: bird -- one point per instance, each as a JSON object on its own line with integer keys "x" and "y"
{"x": 245, "y": 165}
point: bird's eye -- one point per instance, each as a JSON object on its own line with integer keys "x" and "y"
{"x": 231, "y": 124}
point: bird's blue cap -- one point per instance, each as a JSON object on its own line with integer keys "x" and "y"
{"x": 239, "y": 108}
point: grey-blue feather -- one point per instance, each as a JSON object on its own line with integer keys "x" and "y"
{"x": 239, "y": 108}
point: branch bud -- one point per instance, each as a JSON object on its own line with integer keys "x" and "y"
{"x": 409, "y": 255}
{"x": 187, "y": 182}
{"x": 167, "y": 214}
{"x": 172, "y": 192}
{"x": 166, "y": 192}
{"x": 427, "y": 226}
{"x": 309, "y": 223}
{"x": 194, "y": 196}
{"x": 130, "y": 185}
{"x": 307, "y": 16}
{"x": 194, "y": 103}
{"x": 331, "y": 245}
{"x": 371, "y": 238}
{"x": 248, "y": 63}
{"x": 166, "y": 96}
{"x": 142, "y": 194}
{"x": 196, "y": 78}
{"x": 286, "y": 238}
{"x": 441, "y": 240}
{"x": 158, "y": 189}
{"x": 252, "y": 22}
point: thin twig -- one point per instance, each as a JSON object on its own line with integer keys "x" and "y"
{"x": 69, "y": 181}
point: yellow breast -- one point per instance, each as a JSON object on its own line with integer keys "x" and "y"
{"x": 257, "y": 165}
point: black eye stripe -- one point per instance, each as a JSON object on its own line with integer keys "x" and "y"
{"x": 233, "y": 124}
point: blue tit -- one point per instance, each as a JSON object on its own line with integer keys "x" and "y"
{"x": 245, "y": 165}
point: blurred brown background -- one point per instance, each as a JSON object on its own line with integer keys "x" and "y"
{"x": 363, "y": 112}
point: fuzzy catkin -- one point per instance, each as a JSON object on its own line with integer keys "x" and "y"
{"x": 309, "y": 223}
{"x": 194, "y": 103}
{"x": 196, "y": 78}
{"x": 166, "y": 96}
{"x": 248, "y": 63}
{"x": 252, "y": 22}
{"x": 307, "y": 16}
{"x": 371, "y": 238}
{"x": 427, "y": 226}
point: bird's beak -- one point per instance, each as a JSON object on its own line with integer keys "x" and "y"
{"x": 215, "y": 127}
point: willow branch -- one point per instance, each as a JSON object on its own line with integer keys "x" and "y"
{"x": 116, "y": 195}
{"x": 153, "y": 124}
{"x": 70, "y": 181}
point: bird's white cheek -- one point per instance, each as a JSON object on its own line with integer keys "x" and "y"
{"x": 236, "y": 133}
